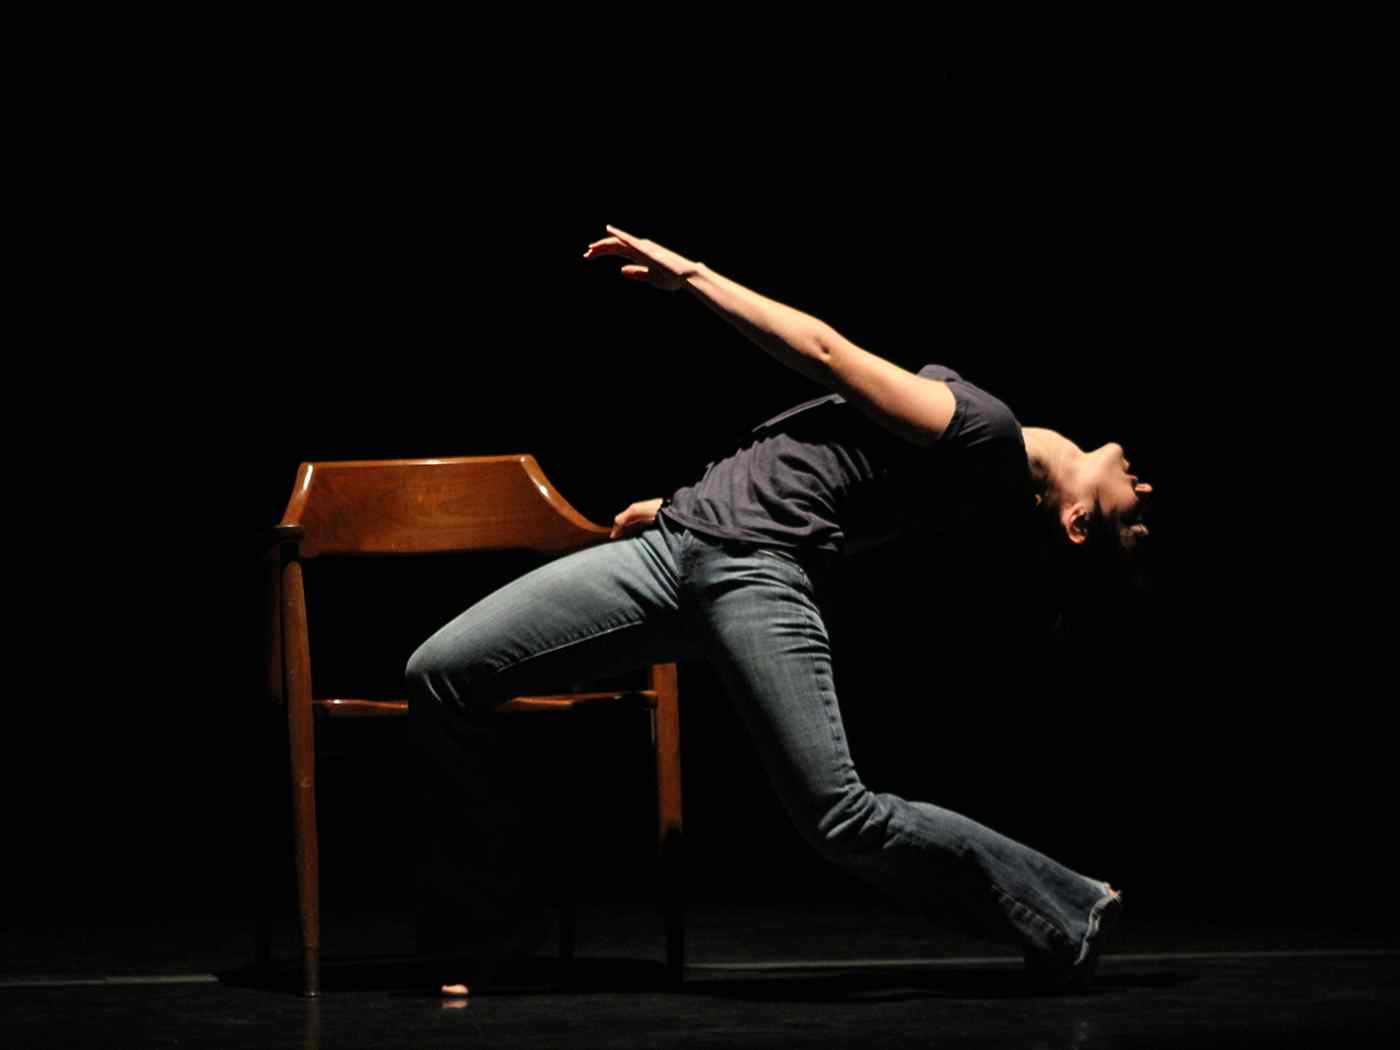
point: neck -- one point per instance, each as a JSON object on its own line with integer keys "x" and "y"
{"x": 1053, "y": 458}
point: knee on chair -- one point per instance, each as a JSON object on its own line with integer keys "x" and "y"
{"x": 431, "y": 684}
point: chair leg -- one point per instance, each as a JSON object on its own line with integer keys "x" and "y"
{"x": 301, "y": 736}
{"x": 306, "y": 845}
{"x": 667, "y": 741}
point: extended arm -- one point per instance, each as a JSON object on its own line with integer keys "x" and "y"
{"x": 909, "y": 406}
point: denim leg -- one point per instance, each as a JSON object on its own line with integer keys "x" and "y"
{"x": 596, "y": 612}
{"x": 763, "y": 631}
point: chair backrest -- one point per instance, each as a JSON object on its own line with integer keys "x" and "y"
{"x": 422, "y": 506}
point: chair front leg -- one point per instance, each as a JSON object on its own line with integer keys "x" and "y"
{"x": 666, "y": 737}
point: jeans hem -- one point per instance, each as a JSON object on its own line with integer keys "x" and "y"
{"x": 1095, "y": 920}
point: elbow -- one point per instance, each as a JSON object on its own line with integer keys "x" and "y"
{"x": 824, "y": 349}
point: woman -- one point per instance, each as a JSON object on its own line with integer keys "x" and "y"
{"x": 731, "y": 570}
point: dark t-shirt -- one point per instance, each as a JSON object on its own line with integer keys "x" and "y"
{"x": 823, "y": 479}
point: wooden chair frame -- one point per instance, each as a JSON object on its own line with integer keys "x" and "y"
{"x": 425, "y": 506}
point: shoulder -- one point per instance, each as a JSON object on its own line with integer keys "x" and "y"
{"x": 982, "y": 417}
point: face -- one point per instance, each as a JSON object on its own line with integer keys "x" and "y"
{"x": 1121, "y": 497}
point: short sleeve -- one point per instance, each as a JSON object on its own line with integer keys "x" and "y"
{"x": 932, "y": 371}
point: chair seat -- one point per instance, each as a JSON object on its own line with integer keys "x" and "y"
{"x": 347, "y": 708}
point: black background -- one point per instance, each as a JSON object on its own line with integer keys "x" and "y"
{"x": 318, "y": 256}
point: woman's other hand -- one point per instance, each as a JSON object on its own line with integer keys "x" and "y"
{"x": 659, "y": 267}
{"x": 635, "y": 518}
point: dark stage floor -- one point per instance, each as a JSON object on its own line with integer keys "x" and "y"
{"x": 756, "y": 978}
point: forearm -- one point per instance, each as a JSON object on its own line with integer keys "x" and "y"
{"x": 794, "y": 338}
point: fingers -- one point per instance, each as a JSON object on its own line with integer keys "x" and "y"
{"x": 636, "y": 250}
{"x": 619, "y": 240}
{"x": 606, "y": 246}
{"x": 630, "y": 520}
{"x": 612, "y": 246}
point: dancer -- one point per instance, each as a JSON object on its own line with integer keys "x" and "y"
{"x": 732, "y": 570}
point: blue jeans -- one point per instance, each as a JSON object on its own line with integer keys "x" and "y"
{"x": 670, "y": 594}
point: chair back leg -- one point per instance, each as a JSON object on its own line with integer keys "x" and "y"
{"x": 301, "y": 730}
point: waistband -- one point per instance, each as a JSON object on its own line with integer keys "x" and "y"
{"x": 815, "y": 562}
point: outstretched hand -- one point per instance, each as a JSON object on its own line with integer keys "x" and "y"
{"x": 659, "y": 267}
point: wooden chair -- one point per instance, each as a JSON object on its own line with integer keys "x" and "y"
{"x": 422, "y": 506}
